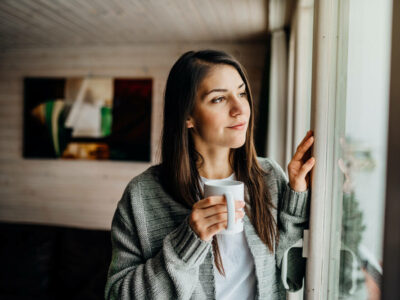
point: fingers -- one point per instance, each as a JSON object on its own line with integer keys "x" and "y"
{"x": 210, "y": 201}
{"x": 307, "y": 166}
{"x": 206, "y": 208}
{"x": 308, "y": 134}
{"x": 303, "y": 147}
{"x": 218, "y": 223}
{"x": 221, "y": 218}
{"x": 206, "y": 227}
{"x": 220, "y": 208}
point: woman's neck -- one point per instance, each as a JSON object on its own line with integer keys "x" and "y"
{"x": 215, "y": 165}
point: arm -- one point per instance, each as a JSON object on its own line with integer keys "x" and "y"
{"x": 171, "y": 274}
{"x": 292, "y": 220}
{"x": 293, "y": 201}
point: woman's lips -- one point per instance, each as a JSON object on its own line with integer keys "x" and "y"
{"x": 238, "y": 126}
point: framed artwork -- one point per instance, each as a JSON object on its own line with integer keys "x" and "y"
{"x": 87, "y": 118}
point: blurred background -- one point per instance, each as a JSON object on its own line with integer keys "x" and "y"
{"x": 73, "y": 135}
{"x": 81, "y": 102}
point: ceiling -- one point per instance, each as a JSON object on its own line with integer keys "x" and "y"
{"x": 60, "y": 23}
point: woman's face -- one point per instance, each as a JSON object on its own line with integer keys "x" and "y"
{"x": 221, "y": 114}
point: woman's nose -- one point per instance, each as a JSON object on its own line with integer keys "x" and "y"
{"x": 237, "y": 106}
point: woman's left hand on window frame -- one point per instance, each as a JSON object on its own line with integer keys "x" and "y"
{"x": 301, "y": 164}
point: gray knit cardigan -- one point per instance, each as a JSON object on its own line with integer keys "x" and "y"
{"x": 156, "y": 255}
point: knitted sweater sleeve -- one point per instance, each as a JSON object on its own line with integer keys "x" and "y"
{"x": 172, "y": 273}
{"x": 293, "y": 215}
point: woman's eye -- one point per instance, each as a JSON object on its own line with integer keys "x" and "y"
{"x": 244, "y": 94}
{"x": 217, "y": 100}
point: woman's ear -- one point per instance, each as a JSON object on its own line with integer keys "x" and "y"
{"x": 189, "y": 123}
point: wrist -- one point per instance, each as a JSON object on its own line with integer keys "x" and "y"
{"x": 298, "y": 187}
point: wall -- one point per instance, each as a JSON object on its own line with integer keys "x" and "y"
{"x": 83, "y": 193}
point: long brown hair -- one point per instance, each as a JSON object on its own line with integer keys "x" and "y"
{"x": 180, "y": 176}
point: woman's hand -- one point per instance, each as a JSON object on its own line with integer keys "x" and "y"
{"x": 210, "y": 215}
{"x": 301, "y": 164}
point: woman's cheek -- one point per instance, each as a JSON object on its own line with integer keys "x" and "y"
{"x": 248, "y": 112}
{"x": 210, "y": 120}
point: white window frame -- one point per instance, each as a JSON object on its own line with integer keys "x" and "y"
{"x": 327, "y": 121}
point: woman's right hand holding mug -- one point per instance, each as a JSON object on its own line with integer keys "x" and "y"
{"x": 210, "y": 216}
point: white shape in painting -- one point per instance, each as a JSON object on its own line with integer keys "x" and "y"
{"x": 88, "y": 121}
{"x": 76, "y": 106}
{"x": 87, "y": 96}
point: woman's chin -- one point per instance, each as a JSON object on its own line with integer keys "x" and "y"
{"x": 238, "y": 144}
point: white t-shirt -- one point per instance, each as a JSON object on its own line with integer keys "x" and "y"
{"x": 240, "y": 280}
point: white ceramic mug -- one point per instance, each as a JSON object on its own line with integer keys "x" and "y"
{"x": 232, "y": 190}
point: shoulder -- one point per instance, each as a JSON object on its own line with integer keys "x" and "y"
{"x": 275, "y": 177}
{"x": 139, "y": 188}
{"x": 270, "y": 166}
{"x": 145, "y": 202}
{"x": 149, "y": 177}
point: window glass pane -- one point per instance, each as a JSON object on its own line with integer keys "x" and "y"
{"x": 363, "y": 148}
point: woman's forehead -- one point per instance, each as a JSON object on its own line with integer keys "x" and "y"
{"x": 221, "y": 77}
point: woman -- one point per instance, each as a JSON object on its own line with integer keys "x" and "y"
{"x": 164, "y": 231}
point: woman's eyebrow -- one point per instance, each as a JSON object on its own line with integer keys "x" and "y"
{"x": 219, "y": 90}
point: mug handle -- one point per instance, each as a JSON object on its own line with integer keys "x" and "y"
{"x": 231, "y": 210}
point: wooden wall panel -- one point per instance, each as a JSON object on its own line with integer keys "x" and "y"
{"x": 83, "y": 193}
